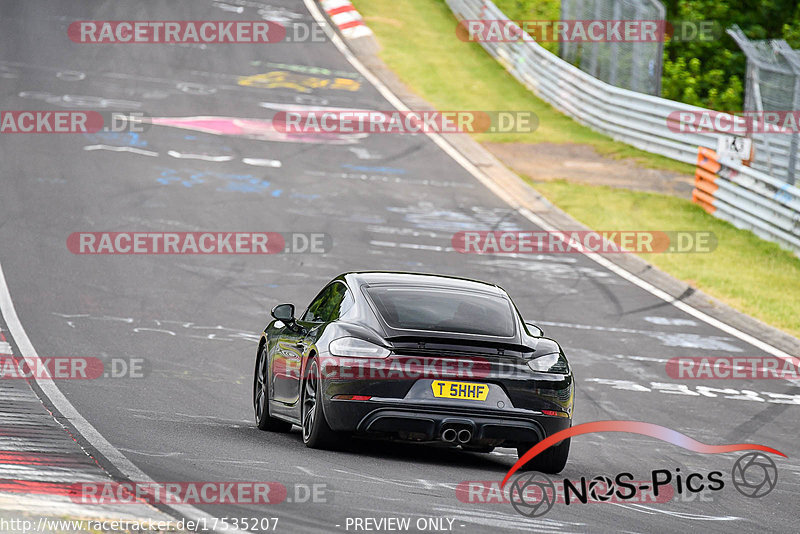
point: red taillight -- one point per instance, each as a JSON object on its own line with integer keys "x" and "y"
{"x": 352, "y": 397}
{"x": 555, "y": 413}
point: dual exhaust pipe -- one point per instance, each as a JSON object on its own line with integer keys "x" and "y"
{"x": 450, "y": 435}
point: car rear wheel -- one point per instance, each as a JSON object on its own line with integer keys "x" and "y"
{"x": 549, "y": 461}
{"x": 261, "y": 397}
{"x": 316, "y": 432}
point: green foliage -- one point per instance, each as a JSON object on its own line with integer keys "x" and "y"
{"x": 705, "y": 73}
{"x": 532, "y": 10}
{"x": 710, "y": 73}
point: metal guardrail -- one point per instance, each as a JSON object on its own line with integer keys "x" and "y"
{"x": 748, "y": 199}
{"x": 634, "y": 118}
{"x": 745, "y": 197}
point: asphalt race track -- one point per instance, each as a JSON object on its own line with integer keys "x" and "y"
{"x": 387, "y": 202}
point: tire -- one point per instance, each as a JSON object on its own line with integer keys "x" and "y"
{"x": 550, "y": 461}
{"x": 261, "y": 397}
{"x": 315, "y": 430}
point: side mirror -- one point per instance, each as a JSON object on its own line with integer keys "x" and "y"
{"x": 534, "y": 329}
{"x": 284, "y": 312}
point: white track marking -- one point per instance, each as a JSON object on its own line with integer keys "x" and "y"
{"x": 415, "y": 246}
{"x": 575, "y": 326}
{"x": 260, "y": 162}
{"x": 153, "y": 454}
{"x": 363, "y": 153}
{"x": 697, "y": 517}
{"x": 670, "y": 321}
{"x": 226, "y": 7}
{"x": 669, "y": 339}
{"x": 122, "y": 149}
{"x": 304, "y": 470}
{"x": 535, "y": 219}
{"x": 202, "y": 157}
{"x": 303, "y": 107}
{"x": 376, "y": 479}
{"x": 68, "y": 411}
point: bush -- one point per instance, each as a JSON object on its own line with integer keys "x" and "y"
{"x": 532, "y": 10}
{"x": 711, "y": 73}
{"x": 703, "y": 73}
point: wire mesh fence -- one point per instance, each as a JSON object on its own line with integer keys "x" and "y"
{"x": 755, "y": 200}
{"x": 773, "y": 85}
{"x": 630, "y": 65}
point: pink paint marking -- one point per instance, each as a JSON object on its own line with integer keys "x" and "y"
{"x": 254, "y": 128}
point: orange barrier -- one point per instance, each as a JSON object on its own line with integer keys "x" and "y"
{"x": 705, "y": 176}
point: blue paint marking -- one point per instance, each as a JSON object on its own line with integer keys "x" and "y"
{"x": 116, "y": 138}
{"x": 235, "y": 183}
{"x": 169, "y": 176}
{"x": 366, "y": 168}
{"x": 242, "y": 183}
{"x": 305, "y": 196}
{"x": 277, "y": 193}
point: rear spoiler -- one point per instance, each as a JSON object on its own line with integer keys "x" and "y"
{"x": 433, "y": 342}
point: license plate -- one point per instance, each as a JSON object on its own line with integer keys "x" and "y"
{"x": 459, "y": 390}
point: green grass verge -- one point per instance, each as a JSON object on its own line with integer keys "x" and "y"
{"x": 752, "y": 275}
{"x": 420, "y": 45}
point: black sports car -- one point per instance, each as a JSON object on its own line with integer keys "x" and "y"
{"x": 415, "y": 357}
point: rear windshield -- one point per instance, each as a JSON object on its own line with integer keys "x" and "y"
{"x": 444, "y": 310}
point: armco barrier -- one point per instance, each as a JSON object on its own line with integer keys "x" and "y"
{"x": 744, "y": 196}
{"x": 634, "y": 118}
{"x": 748, "y": 199}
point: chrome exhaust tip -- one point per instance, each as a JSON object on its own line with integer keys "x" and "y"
{"x": 464, "y": 436}
{"x": 449, "y": 435}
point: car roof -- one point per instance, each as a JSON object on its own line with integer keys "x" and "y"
{"x": 419, "y": 279}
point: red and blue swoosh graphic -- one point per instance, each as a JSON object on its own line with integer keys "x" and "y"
{"x": 635, "y": 427}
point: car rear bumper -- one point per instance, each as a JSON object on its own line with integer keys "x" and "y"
{"x": 426, "y": 422}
